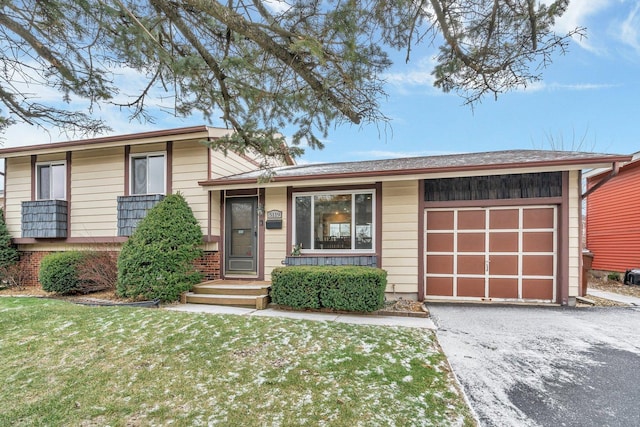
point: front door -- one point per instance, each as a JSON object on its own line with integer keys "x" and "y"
{"x": 241, "y": 236}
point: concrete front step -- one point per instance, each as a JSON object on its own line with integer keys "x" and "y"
{"x": 230, "y": 289}
{"x": 258, "y": 301}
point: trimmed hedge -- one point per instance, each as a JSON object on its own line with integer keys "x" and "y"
{"x": 348, "y": 288}
{"x": 59, "y": 272}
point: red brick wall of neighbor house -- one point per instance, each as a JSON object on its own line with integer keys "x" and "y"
{"x": 613, "y": 221}
{"x": 209, "y": 265}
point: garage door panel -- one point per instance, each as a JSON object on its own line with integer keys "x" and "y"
{"x": 503, "y": 242}
{"x": 503, "y": 288}
{"x": 537, "y": 265}
{"x": 501, "y": 219}
{"x": 440, "y": 242}
{"x": 537, "y": 241}
{"x": 471, "y": 264}
{"x": 471, "y": 219}
{"x": 501, "y": 253}
{"x": 471, "y": 242}
{"x": 471, "y": 287}
{"x": 503, "y": 265}
{"x": 538, "y": 218}
{"x": 440, "y": 220}
{"x": 541, "y": 289}
{"x": 440, "y": 264}
{"x": 440, "y": 286}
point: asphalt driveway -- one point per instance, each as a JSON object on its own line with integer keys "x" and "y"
{"x": 545, "y": 366}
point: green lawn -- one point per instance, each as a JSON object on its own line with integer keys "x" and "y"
{"x": 64, "y": 364}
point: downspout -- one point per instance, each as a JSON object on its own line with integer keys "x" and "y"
{"x": 614, "y": 172}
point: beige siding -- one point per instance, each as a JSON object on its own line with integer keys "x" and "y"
{"x": 151, "y": 148}
{"x": 51, "y": 157}
{"x": 575, "y": 246}
{"x": 400, "y": 236}
{"x": 189, "y": 167}
{"x": 216, "y": 220}
{"x": 275, "y": 246}
{"x": 97, "y": 179}
{"x": 230, "y": 164}
{"x": 18, "y": 189}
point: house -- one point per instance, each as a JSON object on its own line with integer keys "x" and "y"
{"x": 497, "y": 226}
{"x": 613, "y": 218}
{"x": 90, "y": 194}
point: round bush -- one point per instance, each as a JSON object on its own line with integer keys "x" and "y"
{"x": 59, "y": 272}
{"x": 157, "y": 262}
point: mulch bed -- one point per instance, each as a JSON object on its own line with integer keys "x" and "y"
{"x": 401, "y": 307}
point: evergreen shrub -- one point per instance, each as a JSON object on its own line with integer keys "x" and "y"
{"x": 8, "y": 251}
{"x": 348, "y": 288}
{"x": 157, "y": 262}
{"x": 59, "y": 272}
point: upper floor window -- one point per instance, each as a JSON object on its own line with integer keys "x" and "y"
{"x": 51, "y": 181}
{"x": 334, "y": 221}
{"x": 148, "y": 172}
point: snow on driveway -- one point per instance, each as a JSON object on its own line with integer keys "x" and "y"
{"x": 545, "y": 366}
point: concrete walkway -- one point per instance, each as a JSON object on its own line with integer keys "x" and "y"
{"x": 407, "y": 322}
{"x": 614, "y": 297}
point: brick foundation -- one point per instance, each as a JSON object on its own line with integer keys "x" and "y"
{"x": 209, "y": 265}
{"x": 30, "y": 265}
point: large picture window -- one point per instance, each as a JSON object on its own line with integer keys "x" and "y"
{"x": 148, "y": 174}
{"x": 51, "y": 181}
{"x": 334, "y": 221}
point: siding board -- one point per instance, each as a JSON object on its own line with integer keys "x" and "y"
{"x": 613, "y": 221}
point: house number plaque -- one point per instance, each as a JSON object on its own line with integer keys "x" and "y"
{"x": 274, "y": 220}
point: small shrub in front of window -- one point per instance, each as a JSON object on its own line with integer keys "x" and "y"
{"x": 157, "y": 262}
{"x": 295, "y": 287}
{"x": 353, "y": 288}
{"x": 59, "y": 272}
{"x": 348, "y": 288}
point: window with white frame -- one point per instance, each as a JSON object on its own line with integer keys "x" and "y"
{"x": 148, "y": 172}
{"x": 51, "y": 181}
{"x": 334, "y": 221}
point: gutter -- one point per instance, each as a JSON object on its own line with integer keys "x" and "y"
{"x": 614, "y": 172}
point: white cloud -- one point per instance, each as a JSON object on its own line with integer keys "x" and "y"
{"x": 419, "y": 75}
{"x": 577, "y": 15}
{"x": 549, "y": 87}
{"x": 277, "y": 6}
{"x": 630, "y": 29}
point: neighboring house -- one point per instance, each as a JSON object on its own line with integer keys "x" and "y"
{"x": 613, "y": 217}
{"x": 499, "y": 226}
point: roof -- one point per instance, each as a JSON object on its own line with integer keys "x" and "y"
{"x": 509, "y": 159}
{"x": 632, "y": 163}
{"x": 193, "y": 132}
{"x": 178, "y": 134}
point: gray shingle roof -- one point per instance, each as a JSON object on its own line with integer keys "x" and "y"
{"x": 450, "y": 162}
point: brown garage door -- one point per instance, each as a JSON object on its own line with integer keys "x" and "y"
{"x": 491, "y": 253}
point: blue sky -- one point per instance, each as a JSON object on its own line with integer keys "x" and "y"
{"x": 588, "y": 100}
